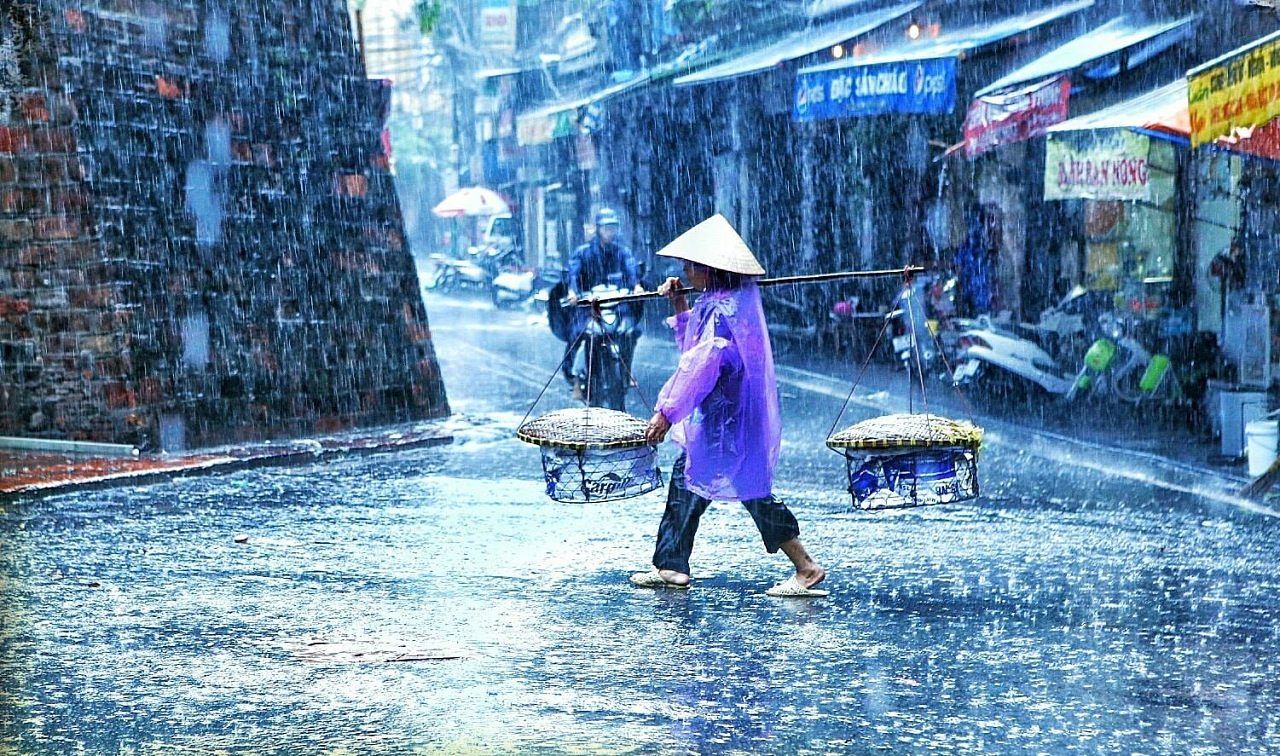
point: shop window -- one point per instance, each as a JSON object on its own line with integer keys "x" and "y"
{"x": 1217, "y": 222}
{"x": 195, "y": 340}
{"x": 1131, "y": 245}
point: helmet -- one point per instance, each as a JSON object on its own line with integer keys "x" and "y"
{"x": 606, "y": 216}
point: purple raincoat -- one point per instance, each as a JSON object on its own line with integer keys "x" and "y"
{"x": 722, "y": 400}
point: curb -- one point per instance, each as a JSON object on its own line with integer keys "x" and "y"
{"x": 234, "y": 459}
{"x": 1139, "y": 465}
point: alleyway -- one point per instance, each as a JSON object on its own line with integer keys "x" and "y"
{"x": 435, "y": 600}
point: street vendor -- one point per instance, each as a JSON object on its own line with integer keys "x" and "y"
{"x": 721, "y": 407}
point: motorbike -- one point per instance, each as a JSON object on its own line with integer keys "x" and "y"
{"x": 989, "y": 352}
{"x": 450, "y": 274}
{"x": 1136, "y": 377}
{"x": 993, "y": 352}
{"x": 602, "y": 366}
{"x": 1115, "y": 365}
{"x": 477, "y": 269}
{"x": 513, "y": 288}
{"x": 496, "y": 258}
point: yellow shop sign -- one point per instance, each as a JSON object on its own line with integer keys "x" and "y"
{"x": 1098, "y": 165}
{"x": 1240, "y": 90}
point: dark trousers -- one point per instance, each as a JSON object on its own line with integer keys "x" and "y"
{"x": 684, "y": 510}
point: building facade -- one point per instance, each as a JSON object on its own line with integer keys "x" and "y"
{"x": 200, "y": 238}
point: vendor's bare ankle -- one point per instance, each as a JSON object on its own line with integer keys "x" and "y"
{"x": 673, "y": 577}
{"x": 811, "y": 576}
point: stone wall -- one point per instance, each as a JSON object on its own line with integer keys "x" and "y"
{"x": 199, "y": 236}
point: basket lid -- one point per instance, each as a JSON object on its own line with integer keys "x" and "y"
{"x": 584, "y": 428}
{"x": 907, "y": 431}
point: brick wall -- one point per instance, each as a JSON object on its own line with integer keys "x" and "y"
{"x": 199, "y": 237}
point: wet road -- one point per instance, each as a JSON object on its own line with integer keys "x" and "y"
{"x": 433, "y": 600}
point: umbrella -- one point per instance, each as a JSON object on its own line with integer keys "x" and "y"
{"x": 473, "y": 200}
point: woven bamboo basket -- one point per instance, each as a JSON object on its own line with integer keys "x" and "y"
{"x": 593, "y": 454}
{"x": 909, "y": 460}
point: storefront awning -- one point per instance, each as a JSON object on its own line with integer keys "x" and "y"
{"x": 1140, "y": 41}
{"x": 490, "y": 73}
{"x": 1164, "y": 113}
{"x": 548, "y": 122}
{"x": 1235, "y": 93}
{"x": 1260, "y": 141}
{"x": 949, "y": 44}
{"x": 1015, "y": 114}
{"x": 797, "y": 45}
{"x": 821, "y": 8}
{"x": 1161, "y": 112}
{"x": 915, "y": 76}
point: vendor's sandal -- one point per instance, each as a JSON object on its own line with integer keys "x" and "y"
{"x": 654, "y": 579}
{"x": 792, "y": 588}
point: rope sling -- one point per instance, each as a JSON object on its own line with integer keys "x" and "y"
{"x": 595, "y": 454}
{"x": 908, "y": 459}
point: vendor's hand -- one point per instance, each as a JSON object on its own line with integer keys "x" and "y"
{"x": 571, "y": 298}
{"x": 657, "y": 430}
{"x": 670, "y": 289}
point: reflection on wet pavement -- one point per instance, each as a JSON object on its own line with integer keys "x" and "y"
{"x": 434, "y": 599}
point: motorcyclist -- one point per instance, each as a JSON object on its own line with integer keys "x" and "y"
{"x": 602, "y": 260}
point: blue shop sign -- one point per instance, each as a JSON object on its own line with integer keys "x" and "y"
{"x": 901, "y": 86}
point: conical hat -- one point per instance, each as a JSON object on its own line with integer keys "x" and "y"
{"x": 715, "y": 244}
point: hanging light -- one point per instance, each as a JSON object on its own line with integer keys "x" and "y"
{"x": 837, "y": 51}
{"x": 913, "y": 30}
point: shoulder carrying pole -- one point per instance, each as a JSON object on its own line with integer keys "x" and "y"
{"x": 908, "y": 272}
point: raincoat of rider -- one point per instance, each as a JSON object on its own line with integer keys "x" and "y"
{"x": 598, "y": 262}
{"x": 603, "y": 260}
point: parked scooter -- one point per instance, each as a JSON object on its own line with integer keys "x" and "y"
{"x": 989, "y": 351}
{"x": 515, "y": 288}
{"x": 1137, "y": 376}
{"x": 478, "y": 269}
{"x": 511, "y": 288}
{"x": 495, "y": 258}
{"x": 1115, "y": 366}
{"x": 450, "y": 274}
